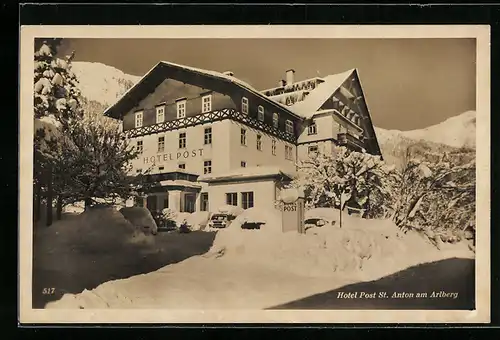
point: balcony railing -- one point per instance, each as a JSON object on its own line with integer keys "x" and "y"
{"x": 348, "y": 140}
{"x": 210, "y": 117}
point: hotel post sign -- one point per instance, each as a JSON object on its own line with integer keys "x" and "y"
{"x": 292, "y": 210}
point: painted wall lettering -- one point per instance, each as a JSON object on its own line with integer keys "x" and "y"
{"x": 171, "y": 156}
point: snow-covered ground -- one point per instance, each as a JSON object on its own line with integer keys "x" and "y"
{"x": 258, "y": 269}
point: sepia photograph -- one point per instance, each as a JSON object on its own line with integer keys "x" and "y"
{"x": 260, "y": 176}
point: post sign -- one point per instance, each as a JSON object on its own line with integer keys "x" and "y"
{"x": 292, "y": 210}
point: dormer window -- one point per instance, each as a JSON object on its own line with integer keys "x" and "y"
{"x": 160, "y": 114}
{"x": 260, "y": 113}
{"x": 181, "y": 108}
{"x": 138, "y": 119}
{"x": 206, "y": 103}
{"x": 289, "y": 127}
{"x": 244, "y": 105}
{"x": 312, "y": 129}
{"x": 276, "y": 119}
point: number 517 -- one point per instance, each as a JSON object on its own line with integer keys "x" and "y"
{"x": 48, "y": 291}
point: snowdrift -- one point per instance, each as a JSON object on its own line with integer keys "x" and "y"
{"x": 371, "y": 247}
{"x": 140, "y": 218}
{"x": 95, "y": 230}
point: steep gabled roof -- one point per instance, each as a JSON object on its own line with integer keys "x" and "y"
{"x": 157, "y": 74}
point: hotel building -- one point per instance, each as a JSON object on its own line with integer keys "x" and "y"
{"x": 207, "y": 139}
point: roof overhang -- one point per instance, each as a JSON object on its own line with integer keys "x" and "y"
{"x": 156, "y": 75}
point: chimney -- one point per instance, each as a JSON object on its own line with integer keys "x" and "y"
{"x": 282, "y": 83}
{"x": 289, "y": 76}
{"x": 229, "y": 73}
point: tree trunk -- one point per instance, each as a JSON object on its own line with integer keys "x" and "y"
{"x": 38, "y": 201}
{"x": 49, "y": 197}
{"x": 88, "y": 203}
{"x": 59, "y": 207}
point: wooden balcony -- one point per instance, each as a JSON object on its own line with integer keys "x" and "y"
{"x": 349, "y": 141}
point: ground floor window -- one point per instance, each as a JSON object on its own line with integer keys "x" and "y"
{"x": 232, "y": 198}
{"x": 247, "y": 199}
{"x": 165, "y": 201}
{"x": 204, "y": 201}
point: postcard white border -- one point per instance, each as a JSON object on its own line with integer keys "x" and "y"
{"x": 482, "y": 313}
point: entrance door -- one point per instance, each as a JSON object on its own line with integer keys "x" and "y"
{"x": 189, "y": 202}
{"x": 151, "y": 202}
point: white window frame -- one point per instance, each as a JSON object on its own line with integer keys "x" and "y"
{"x": 161, "y": 144}
{"x": 243, "y": 164}
{"x": 247, "y": 195}
{"x": 206, "y": 106}
{"x": 139, "y": 119}
{"x": 260, "y": 113}
{"x": 185, "y": 140}
{"x": 207, "y": 166}
{"x": 312, "y": 129}
{"x": 181, "y": 108}
{"x": 288, "y": 153}
{"x": 244, "y": 105}
{"x": 289, "y": 127}
{"x": 207, "y": 136}
{"x": 259, "y": 142}
{"x": 276, "y": 120}
{"x": 140, "y": 150}
{"x": 273, "y": 147}
{"x": 243, "y": 137}
{"x": 160, "y": 114}
{"x": 232, "y": 195}
{"x": 310, "y": 152}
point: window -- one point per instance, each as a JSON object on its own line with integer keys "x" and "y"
{"x": 160, "y": 114}
{"x": 182, "y": 166}
{"x": 232, "y": 198}
{"x": 260, "y": 113}
{"x": 312, "y": 150}
{"x": 247, "y": 200}
{"x": 207, "y": 167}
{"x": 276, "y": 120}
{"x": 311, "y": 129}
{"x": 204, "y": 201}
{"x": 289, "y": 127}
{"x": 244, "y": 105}
{"x": 161, "y": 168}
{"x": 273, "y": 147}
{"x": 208, "y": 135}
{"x": 138, "y": 119}
{"x": 243, "y": 137}
{"x": 259, "y": 142}
{"x": 161, "y": 144}
{"x": 243, "y": 164}
{"x": 181, "y": 108}
{"x": 288, "y": 152}
{"x": 165, "y": 201}
{"x": 140, "y": 147}
{"x": 206, "y": 103}
{"x": 182, "y": 140}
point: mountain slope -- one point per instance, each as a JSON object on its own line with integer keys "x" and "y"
{"x": 102, "y": 83}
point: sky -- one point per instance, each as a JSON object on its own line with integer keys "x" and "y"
{"x": 408, "y": 83}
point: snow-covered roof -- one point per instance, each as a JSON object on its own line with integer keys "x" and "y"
{"x": 179, "y": 182}
{"x": 213, "y": 74}
{"x": 317, "y": 97}
{"x": 246, "y": 173}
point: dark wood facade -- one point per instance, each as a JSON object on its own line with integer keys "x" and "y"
{"x": 166, "y": 84}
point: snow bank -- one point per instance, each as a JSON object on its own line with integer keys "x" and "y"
{"x": 95, "y": 230}
{"x": 270, "y": 219}
{"x": 140, "y": 218}
{"x": 198, "y": 220}
{"x": 374, "y": 247}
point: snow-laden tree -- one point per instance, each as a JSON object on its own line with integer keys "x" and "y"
{"x": 345, "y": 177}
{"x": 437, "y": 195}
{"x": 97, "y": 162}
{"x": 56, "y": 92}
